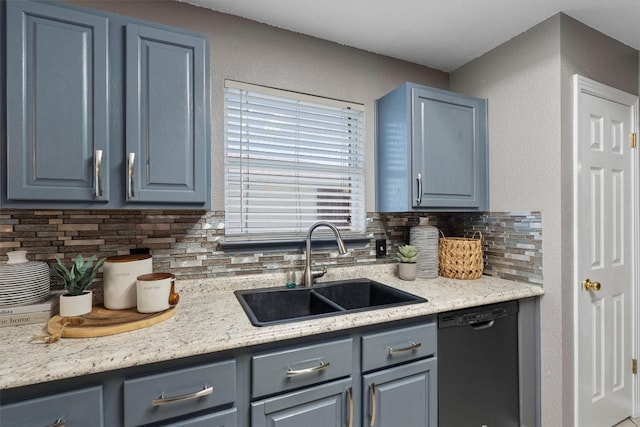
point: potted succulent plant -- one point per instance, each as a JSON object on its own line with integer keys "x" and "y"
{"x": 77, "y": 278}
{"x": 408, "y": 256}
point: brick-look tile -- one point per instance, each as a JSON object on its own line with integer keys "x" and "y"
{"x": 186, "y": 242}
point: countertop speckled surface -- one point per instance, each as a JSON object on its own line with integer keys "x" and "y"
{"x": 209, "y": 319}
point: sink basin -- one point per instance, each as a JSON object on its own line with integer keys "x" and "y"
{"x": 270, "y": 306}
{"x": 266, "y": 306}
{"x": 364, "y": 293}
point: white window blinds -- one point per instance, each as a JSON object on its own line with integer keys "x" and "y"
{"x": 291, "y": 160}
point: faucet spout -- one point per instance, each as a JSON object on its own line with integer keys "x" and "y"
{"x": 309, "y": 276}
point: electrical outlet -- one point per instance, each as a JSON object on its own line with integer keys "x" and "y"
{"x": 381, "y": 248}
{"x": 139, "y": 251}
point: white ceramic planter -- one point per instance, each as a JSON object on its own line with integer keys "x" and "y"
{"x": 75, "y": 305}
{"x": 407, "y": 271}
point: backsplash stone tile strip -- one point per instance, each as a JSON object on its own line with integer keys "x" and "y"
{"x": 186, "y": 242}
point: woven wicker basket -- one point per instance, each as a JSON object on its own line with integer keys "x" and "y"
{"x": 460, "y": 258}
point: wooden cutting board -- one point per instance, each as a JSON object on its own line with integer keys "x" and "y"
{"x": 101, "y": 322}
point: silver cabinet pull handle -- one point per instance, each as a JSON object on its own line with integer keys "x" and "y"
{"x": 296, "y": 372}
{"x": 58, "y": 423}
{"x": 419, "y": 199}
{"x": 131, "y": 161}
{"x": 412, "y": 346}
{"x": 167, "y": 400}
{"x": 372, "y": 393}
{"x": 98, "y": 173}
{"x": 350, "y": 399}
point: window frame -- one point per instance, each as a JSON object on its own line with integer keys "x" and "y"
{"x": 358, "y": 218}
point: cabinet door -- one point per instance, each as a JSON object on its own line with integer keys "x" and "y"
{"x": 402, "y": 396}
{"x": 328, "y": 405}
{"x": 449, "y": 150}
{"x": 57, "y": 122}
{"x": 166, "y": 111}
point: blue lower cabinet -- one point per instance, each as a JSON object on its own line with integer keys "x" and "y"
{"x": 377, "y": 376}
{"x": 228, "y": 418}
{"x": 153, "y": 398}
{"x": 402, "y": 396}
{"x": 326, "y": 405}
{"x": 77, "y": 408}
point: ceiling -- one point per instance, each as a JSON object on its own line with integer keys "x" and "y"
{"x": 441, "y": 34}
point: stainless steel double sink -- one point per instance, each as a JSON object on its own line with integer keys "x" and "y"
{"x": 270, "y": 306}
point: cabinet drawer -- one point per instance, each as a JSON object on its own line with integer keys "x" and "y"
{"x": 398, "y": 346}
{"x": 300, "y": 366}
{"x": 228, "y": 418}
{"x": 143, "y": 396}
{"x": 74, "y": 408}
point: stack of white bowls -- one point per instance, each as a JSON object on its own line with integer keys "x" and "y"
{"x": 23, "y": 281}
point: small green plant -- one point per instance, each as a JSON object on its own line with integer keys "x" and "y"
{"x": 80, "y": 275}
{"x": 407, "y": 254}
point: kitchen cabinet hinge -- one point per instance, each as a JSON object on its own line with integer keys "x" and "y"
{"x": 634, "y": 137}
{"x": 634, "y": 366}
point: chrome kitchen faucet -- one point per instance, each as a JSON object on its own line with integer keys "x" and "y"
{"x": 309, "y": 276}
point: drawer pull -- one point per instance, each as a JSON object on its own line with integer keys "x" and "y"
{"x": 412, "y": 346}
{"x": 58, "y": 423}
{"x": 167, "y": 400}
{"x": 296, "y": 372}
{"x": 372, "y": 393}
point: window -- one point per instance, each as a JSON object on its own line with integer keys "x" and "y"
{"x": 291, "y": 160}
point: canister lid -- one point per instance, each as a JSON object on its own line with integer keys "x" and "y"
{"x": 128, "y": 258}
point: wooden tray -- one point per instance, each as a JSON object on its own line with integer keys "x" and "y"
{"x": 101, "y": 322}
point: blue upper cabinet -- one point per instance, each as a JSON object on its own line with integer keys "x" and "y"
{"x": 166, "y": 118}
{"x": 57, "y": 104}
{"x": 431, "y": 151}
{"x": 103, "y": 111}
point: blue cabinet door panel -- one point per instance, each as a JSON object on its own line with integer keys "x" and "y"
{"x": 446, "y": 151}
{"x": 402, "y": 396}
{"x": 57, "y": 104}
{"x": 431, "y": 148}
{"x": 326, "y": 405}
{"x": 166, "y": 116}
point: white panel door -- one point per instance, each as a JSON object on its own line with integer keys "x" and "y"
{"x": 604, "y": 251}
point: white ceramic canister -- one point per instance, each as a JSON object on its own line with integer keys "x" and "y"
{"x": 120, "y": 274}
{"x": 153, "y": 292}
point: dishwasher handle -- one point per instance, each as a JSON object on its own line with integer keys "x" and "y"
{"x": 482, "y": 325}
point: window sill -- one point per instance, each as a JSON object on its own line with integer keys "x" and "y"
{"x": 289, "y": 245}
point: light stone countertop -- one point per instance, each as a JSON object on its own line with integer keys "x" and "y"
{"x": 210, "y": 319}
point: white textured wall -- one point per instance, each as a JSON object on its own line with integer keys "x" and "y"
{"x": 528, "y": 83}
{"x": 521, "y": 80}
{"x": 250, "y": 52}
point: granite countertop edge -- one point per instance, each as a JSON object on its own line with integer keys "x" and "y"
{"x": 209, "y": 319}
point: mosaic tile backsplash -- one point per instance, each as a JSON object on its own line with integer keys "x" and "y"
{"x": 187, "y": 243}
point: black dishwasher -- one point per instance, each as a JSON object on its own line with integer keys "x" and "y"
{"x": 478, "y": 367}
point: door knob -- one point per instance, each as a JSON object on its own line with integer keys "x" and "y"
{"x": 589, "y": 285}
